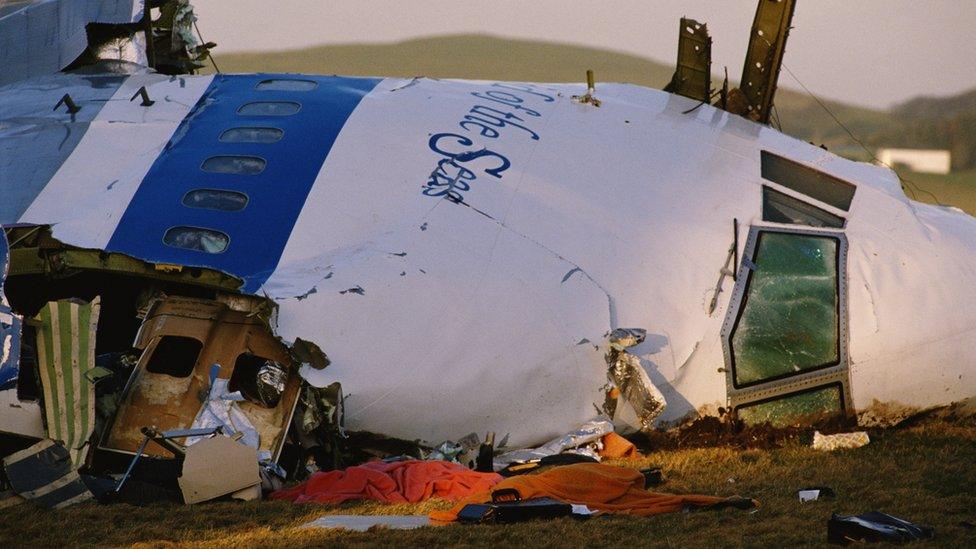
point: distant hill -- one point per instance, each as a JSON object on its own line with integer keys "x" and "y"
{"x": 922, "y": 123}
{"x": 938, "y": 123}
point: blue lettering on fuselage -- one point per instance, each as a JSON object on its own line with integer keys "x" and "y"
{"x": 502, "y": 110}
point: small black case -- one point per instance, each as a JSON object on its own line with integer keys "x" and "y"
{"x": 508, "y": 507}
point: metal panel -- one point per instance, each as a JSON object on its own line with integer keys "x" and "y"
{"x": 693, "y": 72}
{"x": 767, "y": 41}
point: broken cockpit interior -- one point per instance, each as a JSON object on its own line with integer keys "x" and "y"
{"x": 127, "y": 372}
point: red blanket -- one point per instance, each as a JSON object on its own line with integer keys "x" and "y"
{"x": 398, "y": 482}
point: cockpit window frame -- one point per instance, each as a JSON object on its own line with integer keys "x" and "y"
{"x": 816, "y": 185}
{"x": 767, "y": 389}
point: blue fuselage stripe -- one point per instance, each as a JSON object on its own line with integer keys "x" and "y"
{"x": 276, "y": 195}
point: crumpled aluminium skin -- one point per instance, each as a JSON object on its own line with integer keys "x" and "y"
{"x": 271, "y": 378}
{"x": 628, "y": 375}
{"x": 220, "y": 410}
{"x": 589, "y": 432}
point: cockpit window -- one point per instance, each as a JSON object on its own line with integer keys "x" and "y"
{"x": 197, "y": 239}
{"x": 251, "y": 135}
{"x": 815, "y": 184}
{"x": 782, "y": 208}
{"x": 243, "y": 165}
{"x": 175, "y": 356}
{"x": 286, "y": 84}
{"x": 269, "y": 108}
{"x": 789, "y": 321}
{"x": 215, "y": 199}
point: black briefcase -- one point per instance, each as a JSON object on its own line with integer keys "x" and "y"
{"x": 508, "y": 507}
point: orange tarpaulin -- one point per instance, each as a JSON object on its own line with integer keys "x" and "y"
{"x": 617, "y": 447}
{"x": 600, "y": 487}
{"x": 397, "y": 482}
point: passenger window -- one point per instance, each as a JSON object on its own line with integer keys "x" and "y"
{"x": 808, "y": 406}
{"x": 282, "y": 84}
{"x": 782, "y": 208}
{"x": 260, "y": 380}
{"x": 270, "y": 108}
{"x": 194, "y": 238}
{"x": 242, "y": 165}
{"x": 174, "y": 356}
{"x": 815, "y": 184}
{"x": 251, "y": 135}
{"x": 214, "y": 199}
{"x": 789, "y": 320}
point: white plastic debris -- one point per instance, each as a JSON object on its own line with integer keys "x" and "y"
{"x": 808, "y": 495}
{"x": 362, "y": 523}
{"x": 840, "y": 440}
{"x": 221, "y": 410}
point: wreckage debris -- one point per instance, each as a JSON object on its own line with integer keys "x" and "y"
{"x": 521, "y": 468}
{"x": 218, "y": 466}
{"x": 840, "y": 440}
{"x": 874, "y": 527}
{"x": 628, "y": 379}
{"x": 362, "y": 523}
{"x": 815, "y": 493}
{"x": 65, "y": 356}
{"x": 580, "y": 441}
{"x": 45, "y": 474}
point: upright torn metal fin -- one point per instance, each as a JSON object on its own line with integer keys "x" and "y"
{"x": 767, "y": 42}
{"x": 693, "y": 71}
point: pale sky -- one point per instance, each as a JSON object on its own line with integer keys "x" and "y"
{"x": 869, "y": 52}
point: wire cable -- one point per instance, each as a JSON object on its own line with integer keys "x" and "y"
{"x": 910, "y": 185}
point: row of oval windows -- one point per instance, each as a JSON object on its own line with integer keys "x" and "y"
{"x": 209, "y": 240}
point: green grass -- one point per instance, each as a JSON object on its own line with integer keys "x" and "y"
{"x": 923, "y": 473}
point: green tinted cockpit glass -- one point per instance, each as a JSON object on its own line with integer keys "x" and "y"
{"x": 802, "y": 179}
{"x": 781, "y": 208}
{"x": 806, "y": 406}
{"x": 789, "y": 319}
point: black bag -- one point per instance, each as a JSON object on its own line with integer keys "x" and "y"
{"x": 507, "y": 507}
{"x": 874, "y": 526}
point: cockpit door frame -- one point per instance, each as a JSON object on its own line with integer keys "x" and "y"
{"x": 801, "y": 381}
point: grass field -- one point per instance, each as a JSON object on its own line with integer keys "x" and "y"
{"x": 922, "y": 473}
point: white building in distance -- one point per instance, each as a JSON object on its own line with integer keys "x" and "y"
{"x": 917, "y": 160}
